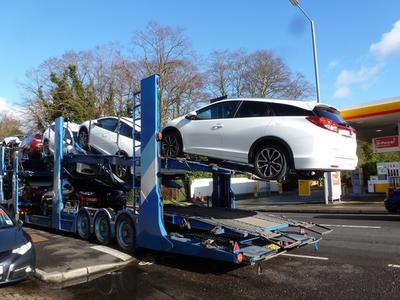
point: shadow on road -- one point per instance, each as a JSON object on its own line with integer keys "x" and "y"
{"x": 186, "y": 263}
{"x": 394, "y": 218}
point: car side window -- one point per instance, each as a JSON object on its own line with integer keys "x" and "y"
{"x": 284, "y": 110}
{"x": 221, "y": 110}
{"x": 253, "y": 109}
{"x": 125, "y": 130}
{"x": 108, "y": 124}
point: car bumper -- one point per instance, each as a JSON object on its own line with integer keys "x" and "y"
{"x": 17, "y": 267}
{"x": 325, "y": 163}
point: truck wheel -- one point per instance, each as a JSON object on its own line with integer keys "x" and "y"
{"x": 126, "y": 234}
{"x": 102, "y": 228}
{"x": 83, "y": 225}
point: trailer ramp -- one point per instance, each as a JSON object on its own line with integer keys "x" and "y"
{"x": 258, "y": 236}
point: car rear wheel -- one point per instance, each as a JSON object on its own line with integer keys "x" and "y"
{"x": 270, "y": 162}
{"x": 46, "y": 148}
{"x": 171, "y": 145}
{"x": 122, "y": 171}
{"x": 83, "y": 139}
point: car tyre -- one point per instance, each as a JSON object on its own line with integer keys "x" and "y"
{"x": 44, "y": 207}
{"x": 123, "y": 172}
{"x": 46, "y": 148}
{"x": 270, "y": 162}
{"x": 171, "y": 144}
{"x": 83, "y": 138}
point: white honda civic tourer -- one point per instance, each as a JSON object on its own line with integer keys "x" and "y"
{"x": 272, "y": 135}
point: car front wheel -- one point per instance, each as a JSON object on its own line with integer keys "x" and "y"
{"x": 171, "y": 145}
{"x": 270, "y": 162}
{"x": 83, "y": 139}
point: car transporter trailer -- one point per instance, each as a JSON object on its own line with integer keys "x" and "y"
{"x": 220, "y": 232}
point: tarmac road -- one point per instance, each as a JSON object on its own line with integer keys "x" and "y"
{"x": 360, "y": 259}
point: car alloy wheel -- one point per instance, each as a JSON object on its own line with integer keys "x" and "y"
{"x": 83, "y": 139}
{"x": 270, "y": 163}
{"x": 46, "y": 148}
{"x": 122, "y": 171}
{"x": 170, "y": 145}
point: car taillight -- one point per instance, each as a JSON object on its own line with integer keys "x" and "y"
{"x": 324, "y": 123}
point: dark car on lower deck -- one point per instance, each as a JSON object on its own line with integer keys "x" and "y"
{"x": 17, "y": 252}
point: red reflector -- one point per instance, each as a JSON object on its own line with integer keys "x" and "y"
{"x": 239, "y": 256}
{"x": 334, "y": 166}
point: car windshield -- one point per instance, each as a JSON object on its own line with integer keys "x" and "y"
{"x": 5, "y": 220}
{"x": 330, "y": 113}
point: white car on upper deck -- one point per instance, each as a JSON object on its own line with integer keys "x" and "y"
{"x": 272, "y": 135}
{"x": 110, "y": 135}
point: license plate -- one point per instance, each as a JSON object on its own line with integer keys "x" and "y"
{"x": 1, "y": 270}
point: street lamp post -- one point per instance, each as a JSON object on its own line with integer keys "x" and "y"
{"x": 297, "y": 3}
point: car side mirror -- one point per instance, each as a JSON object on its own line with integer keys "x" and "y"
{"x": 20, "y": 223}
{"x": 191, "y": 116}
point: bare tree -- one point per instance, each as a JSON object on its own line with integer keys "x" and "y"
{"x": 104, "y": 74}
{"x": 9, "y": 126}
{"x": 258, "y": 74}
{"x": 168, "y": 52}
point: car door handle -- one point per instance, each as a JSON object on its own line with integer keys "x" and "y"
{"x": 216, "y": 126}
{"x": 105, "y": 134}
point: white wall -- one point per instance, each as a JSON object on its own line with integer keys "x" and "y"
{"x": 239, "y": 186}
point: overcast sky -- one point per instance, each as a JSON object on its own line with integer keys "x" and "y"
{"x": 358, "y": 41}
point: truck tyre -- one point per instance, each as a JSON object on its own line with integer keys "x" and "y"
{"x": 102, "y": 228}
{"x": 83, "y": 225}
{"x": 126, "y": 234}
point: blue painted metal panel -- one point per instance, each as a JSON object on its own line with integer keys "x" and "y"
{"x": 150, "y": 228}
{"x": 181, "y": 164}
{"x": 2, "y": 167}
{"x": 15, "y": 181}
{"x": 195, "y": 248}
{"x": 57, "y": 202}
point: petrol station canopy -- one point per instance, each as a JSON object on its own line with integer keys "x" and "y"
{"x": 374, "y": 120}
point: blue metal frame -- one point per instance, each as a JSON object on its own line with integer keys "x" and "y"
{"x": 150, "y": 229}
{"x": 57, "y": 202}
{"x": 15, "y": 194}
{"x": 2, "y": 168}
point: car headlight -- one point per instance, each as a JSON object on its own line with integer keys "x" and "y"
{"x": 23, "y": 249}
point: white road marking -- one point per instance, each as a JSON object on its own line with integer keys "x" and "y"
{"x": 351, "y": 226}
{"x": 113, "y": 252}
{"x": 305, "y": 256}
{"x": 393, "y": 266}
